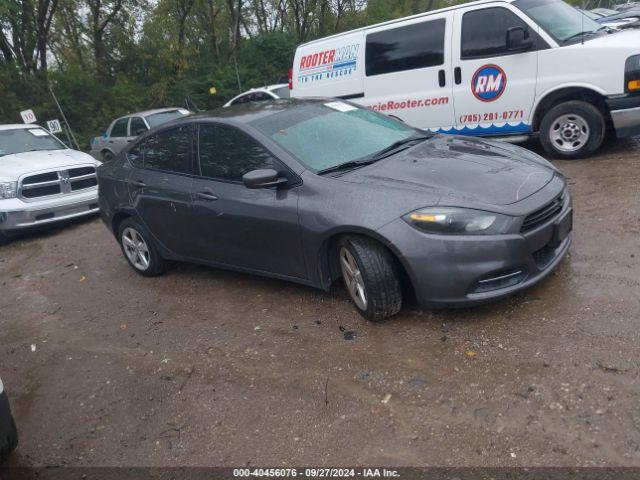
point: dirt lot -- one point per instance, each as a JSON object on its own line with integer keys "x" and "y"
{"x": 206, "y": 367}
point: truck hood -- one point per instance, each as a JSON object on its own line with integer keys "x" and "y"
{"x": 628, "y": 40}
{"x": 12, "y": 167}
{"x": 461, "y": 170}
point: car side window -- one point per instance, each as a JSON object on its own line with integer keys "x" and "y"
{"x": 484, "y": 32}
{"x": 420, "y": 45}
{"x": 120, "y": 128}
{"x": 170, "y": 151}
{"x": 137, "y": 126}
{"x": 226, "y": 153}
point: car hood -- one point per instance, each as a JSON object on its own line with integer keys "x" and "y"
{"x": 12, "y": 167}
{"x": 462, "y": 169}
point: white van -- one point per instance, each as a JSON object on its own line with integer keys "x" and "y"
{"x": 490, "y": 68}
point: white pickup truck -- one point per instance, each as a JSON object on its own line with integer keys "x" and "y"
{"x": 41, "y": 180}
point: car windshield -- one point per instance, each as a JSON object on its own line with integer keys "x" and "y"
{"x": 560, "y": 20}
{"x": 282, "y": 92}
{"x": 164, "y": 117}
{"x": 19, "y": 140}
{"x": 324, "y": 135}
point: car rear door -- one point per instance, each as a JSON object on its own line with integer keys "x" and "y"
{"x": 241, "y": 227}
{"x": 408, "y": 71}
{"x": 160, "y": 187}
{"x": 118, "y": 136}
{"x": 494, "y": 87}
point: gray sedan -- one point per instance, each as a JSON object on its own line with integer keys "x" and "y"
{"x": 312, "y": 191}
{"x": 124, "y": 130}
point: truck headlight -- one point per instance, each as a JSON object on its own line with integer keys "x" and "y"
{"x": 459, "y": 221}
{"x": 8, "y": 190}
{"x": 632, "y": 74}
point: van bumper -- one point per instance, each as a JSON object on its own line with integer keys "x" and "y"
{"x": 625, "y": 114}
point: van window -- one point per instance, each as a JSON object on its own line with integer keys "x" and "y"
{"x": 484, "y": 32}
{"x": 406, "y": 48}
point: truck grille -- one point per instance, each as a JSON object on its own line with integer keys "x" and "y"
{"x": 59, "y": 182}
{"x": 544, "y": 214}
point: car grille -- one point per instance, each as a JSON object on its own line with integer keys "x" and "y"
{"x": 544, "y": 214}
{"x": 59, "y": 182}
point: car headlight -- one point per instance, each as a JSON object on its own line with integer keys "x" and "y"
{"x": 632, "y": 74}
{"x": 8, "y": 190}
{"x": 459, "y": 221}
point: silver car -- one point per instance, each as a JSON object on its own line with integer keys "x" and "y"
{"x": 125, "y": 129}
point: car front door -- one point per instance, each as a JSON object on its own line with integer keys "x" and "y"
{"x": 253, "y": 229}
{"x": 494, "y": 82}
{"x": 160, "y": 186}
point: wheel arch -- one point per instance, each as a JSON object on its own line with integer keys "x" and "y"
{"x": 329, "y": 269}
{"x": 583, "y": 93}
{"x": 117, "y": 220}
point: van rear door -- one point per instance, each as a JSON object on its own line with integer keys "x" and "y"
{"x": 408, "y": 67}
{"x": 494, "y": 83}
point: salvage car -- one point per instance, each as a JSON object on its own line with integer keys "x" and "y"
{"x": 42, "y": 181}
{"x": 262, "y": 94}
{"x": 316, "y": 190}
{"x": 124, "y": 130}
{"x": 8, "y": 431}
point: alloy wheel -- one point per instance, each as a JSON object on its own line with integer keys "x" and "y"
{"x": 136, "y": 249}
{"x": 353, "y": 278}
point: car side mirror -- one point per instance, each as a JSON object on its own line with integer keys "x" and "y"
{"x": 517, "y": 40}
{"x": 263, "y": 178}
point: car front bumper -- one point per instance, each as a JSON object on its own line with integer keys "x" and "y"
{"x": 625, "y": 114}
{"x": 16, "y": 215}
{"x": 8, "y": 433}
{"x": 449, "y": 271}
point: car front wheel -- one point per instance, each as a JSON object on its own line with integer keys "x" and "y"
{"x": 371, "y": 277}
{"x": 139, "y": 249}
{"x": 572, "y": 130}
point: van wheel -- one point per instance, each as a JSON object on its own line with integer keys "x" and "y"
{"x": 139, "y": 249}
{"x": 371, "y": 277}
{"x": 4, "y": 239}
{"x": 572, "y": 130}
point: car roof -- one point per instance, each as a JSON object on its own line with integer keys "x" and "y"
{"x": 399, "y": 20}
{"x": 16, "y": 126}
{"x": 245, "y": 113}
{"x": 146, "y": 113}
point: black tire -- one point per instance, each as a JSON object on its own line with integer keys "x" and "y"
{"x": 4, "y": 239}
{"x": 107, "y": 155}
{"x": 155, "y": 261}
{"x": 379, "y": 274}
{"x": 9, "y": 444}
{"x": 576, "y": 111}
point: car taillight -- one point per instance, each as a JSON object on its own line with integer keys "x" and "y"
{"x": 632, "y": 74}
{"x": 291, "y": 79}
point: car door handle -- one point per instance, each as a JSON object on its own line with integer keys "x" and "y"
{"x": 457, "y": 75}
{"x": 442, "y": 79}
{"x": 139, "y": 183}
{"x": 206, "y": 196}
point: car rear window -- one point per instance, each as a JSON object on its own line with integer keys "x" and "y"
{"x": 164, "y": 117}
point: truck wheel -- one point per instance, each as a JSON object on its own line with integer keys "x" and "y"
{"x": 371, "y": 277}
{"x": 107, "y": 155}
{"x": 572, "y": 129}
{"x": 139, "y": 249}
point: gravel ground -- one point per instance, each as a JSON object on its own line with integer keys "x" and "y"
{"x": 207, "y": 367}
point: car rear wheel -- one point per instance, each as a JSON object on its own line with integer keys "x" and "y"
{"x": 139, "y": 249}
{"x": 371, "y": 277}
{"x": 572, "y": 130}
{"x": 107, "y": 155}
